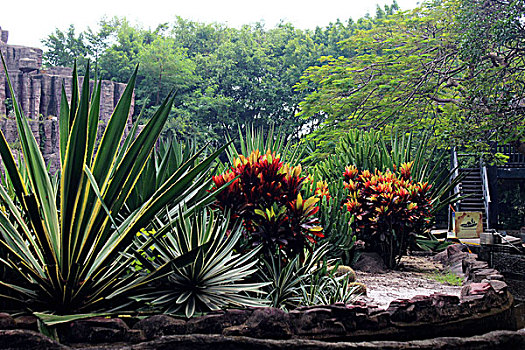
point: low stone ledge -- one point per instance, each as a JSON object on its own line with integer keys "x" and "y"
{"x": 26, "y": 339}
{"x": 497, "y": 340}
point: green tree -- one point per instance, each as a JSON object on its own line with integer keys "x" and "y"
{"x": 415, "y": 69}
{"x": 64, "y": 47}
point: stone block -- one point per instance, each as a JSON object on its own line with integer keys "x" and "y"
{"x": 25, "y": 339}
{"x": 26, "y": 322}
{"x": 160, "y": 325}
{"x": 96, "y": 330}
{"x": 264, "y": 323}
{"x": 6, "y": 321}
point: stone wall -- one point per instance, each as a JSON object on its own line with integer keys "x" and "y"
{"x": 38, "y": 92}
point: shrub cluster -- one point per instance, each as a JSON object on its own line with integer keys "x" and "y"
{"x": 388, "y": 207}
{"x": 266, "y": 194}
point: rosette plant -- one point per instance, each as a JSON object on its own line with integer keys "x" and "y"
{"x": 217, "y": 278}
{"x": 67, "y": 250}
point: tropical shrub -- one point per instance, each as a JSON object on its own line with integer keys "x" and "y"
{"x": 217, "y": 278}
{"x": 389, "y": 208}
{"x": 371, "y": 150}
{"x": 266, "y": 195}
{"x": 65, "y": 240}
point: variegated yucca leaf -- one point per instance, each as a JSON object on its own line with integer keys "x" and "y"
{"x": 67, "y": 246}
{"x": 217, "y": 278}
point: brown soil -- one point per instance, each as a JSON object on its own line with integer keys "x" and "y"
{"x": 411, "y": 279}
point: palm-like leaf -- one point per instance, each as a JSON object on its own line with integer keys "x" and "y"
{"x": 263, "y": 140}
{"x": 369, "y": 150}
{"x": 215, "y": 279}
{"x": 62, "y": 239}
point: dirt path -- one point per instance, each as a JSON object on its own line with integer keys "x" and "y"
{"x": 413, "y": 278}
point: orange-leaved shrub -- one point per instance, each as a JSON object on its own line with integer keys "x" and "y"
{"x": 267, "y": 195}
{"x": 389, "y": 208}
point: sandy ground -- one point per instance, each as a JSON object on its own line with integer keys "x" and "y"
{"x": 412, "y": 279}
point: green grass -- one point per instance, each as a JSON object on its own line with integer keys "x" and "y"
{"x": 446, "y": 277}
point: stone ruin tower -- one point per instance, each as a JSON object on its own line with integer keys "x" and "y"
{"x": 38, "y": 91}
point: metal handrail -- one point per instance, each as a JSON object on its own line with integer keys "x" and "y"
{"x": 455, "y": 166}
{"x": 486, "y": 191}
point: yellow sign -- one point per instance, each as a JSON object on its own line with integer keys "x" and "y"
{"x": 467, "y": 224}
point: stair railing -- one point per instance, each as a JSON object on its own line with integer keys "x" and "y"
{"x": 455, "y": 166}
{"x": 486, "y": 191}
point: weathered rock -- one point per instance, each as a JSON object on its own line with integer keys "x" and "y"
{"x": 475, "y": 289}
{"x": 268, "y": 323}
{"x": 456, "y": 253}
{"x": 25, "y": 339}
{"x": 207, "y": 324}
{"x": 477, "y": 275}
{"x": 498, "y": 286}
{"x": 135, "y": 336}
{"x": 317, "y": 321}
{"x": 497, "y": 340}
{"x": 235, "y": 317}
{"x": 96, "y": 330}
{"x": 159, "y": 325}
{"x": 6, "y": 321}
{"x": 371, "y": 263}
{"x": 27, "y": 322}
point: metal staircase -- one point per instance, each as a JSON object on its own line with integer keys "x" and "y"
{"x": 471, "y": 188}
{"x": 474, "y": 188}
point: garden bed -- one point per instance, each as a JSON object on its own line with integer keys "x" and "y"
{"x": 483, "y": 305}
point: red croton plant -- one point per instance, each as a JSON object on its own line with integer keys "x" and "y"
{"x": 388, "y": 208}
{"x": 266, "y": 195}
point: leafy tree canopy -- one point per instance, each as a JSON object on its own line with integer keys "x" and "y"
{"x": 455, "y": 66}
{"x": 223, "y": 77}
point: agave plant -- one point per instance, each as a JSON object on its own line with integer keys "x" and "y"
{"x": 287, "y": 278}
{"x": 62, "y": 238}
{"x": 326, "y": 288}
{"x": 216, "y": 279}
{"x": 168, "y": 157}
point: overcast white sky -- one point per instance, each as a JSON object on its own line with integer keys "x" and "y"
{"x": 29, "y": 21}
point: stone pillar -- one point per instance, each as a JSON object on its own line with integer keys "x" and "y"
{"x": 45, "y": 88}
{"x": 48, "y": 134}
{"x": 16, "y": 77}
{"x": 4, "y": 35}
{"x": 66, "y": 82}
{"x": 25, "y": 93}
{"x": 35, "y": 129}
{"x": 107, "y": 103}
{"x": 34, "y": 99}
{"x": 3, "y": 84}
